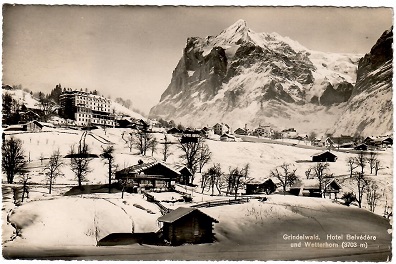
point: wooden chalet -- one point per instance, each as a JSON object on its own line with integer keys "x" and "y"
{"x": 187, "y": 225}
{"x": 190, "y": 136}
{"x": 361, "y": 147}
{"x": 241, "y": 131}
{"x": 369, "y": 141}
{"x": 174, "y": 130}
{"x": 35, "y": 126}
{"x": 255, "y": 187}
{"x": 185, "y": 174}
{"x": 123, "y": 123}
{"x": 27, "y": 116}
{"x": 227, "y": 137}
{"x": 310, "y": 187}
{"x": 326, "y": 156}
{"x": 149, "y": 176}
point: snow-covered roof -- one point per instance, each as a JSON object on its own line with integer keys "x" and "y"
{"x": 144, "y": 166}
{"x": 322, "y": 153}
{"x": 313, "y": 183}
{"x": 180, "y": 213}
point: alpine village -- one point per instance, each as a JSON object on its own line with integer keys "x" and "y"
{"x": 258, "y": 146}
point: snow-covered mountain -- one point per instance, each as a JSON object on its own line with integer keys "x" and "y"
{"x": 369, "y": 110}
{"x": 243, "y": 77}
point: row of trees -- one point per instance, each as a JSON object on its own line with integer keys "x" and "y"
{"x": 230, "y": 183}
{"x": 14, "y": 162}
{"x": 364, "y": 185}
{"x": 362, "y": 160}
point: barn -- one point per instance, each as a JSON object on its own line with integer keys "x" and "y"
{"x": 187, "y": 225}
{"x": 265, "y": 186}
{"x": 326, "y": 156}
{"x": 361, "y": 147}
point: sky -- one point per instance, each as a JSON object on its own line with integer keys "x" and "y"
{"x": 131, "y": 51}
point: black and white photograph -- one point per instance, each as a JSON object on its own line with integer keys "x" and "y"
{"x": 203, "y": 133}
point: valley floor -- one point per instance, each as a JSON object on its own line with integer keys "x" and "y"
{"x": 68, "y": 225}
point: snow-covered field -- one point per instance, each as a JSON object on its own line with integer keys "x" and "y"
{"x": 55, "y": 219}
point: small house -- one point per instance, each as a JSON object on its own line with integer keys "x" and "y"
{"x": 221, "y": 128}
{"x": 36, "y": 126}
{"x": 310, "y": 187}
{"x": 326, "y": 156}
{"x": 326, "y": 142}
{"x": 149, "y": 176}
{"x": 185, "y": 174}
{"x": 123, "y": 123}
{"x": 187, "y": 225}
{"x": 387, "y": 141}
{"x": 241, "y": 131}
{"x": 265, "y": 131}
{"x": 228, "y": 138}
{"x": 369, "y": 141}
{"x": 174, "y": 130}
{"x": 255, "y": 187}
{"x": 361, "y": 147}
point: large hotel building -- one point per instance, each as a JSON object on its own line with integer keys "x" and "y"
{"x": 86, "y": 109}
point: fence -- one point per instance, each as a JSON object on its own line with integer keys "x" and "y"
{"x": 150, "y": 198}
{"x": 221, "y": 202}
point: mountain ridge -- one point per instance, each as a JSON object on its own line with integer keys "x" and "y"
{"x": 243, "y": 77}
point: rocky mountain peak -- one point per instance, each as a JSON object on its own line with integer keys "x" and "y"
{"x": 237, "y": 33}
{"x": 243, "y": 77}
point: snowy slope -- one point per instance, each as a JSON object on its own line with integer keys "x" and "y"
{"x": 122, "y": 110}
{"x": 23, "y": 97}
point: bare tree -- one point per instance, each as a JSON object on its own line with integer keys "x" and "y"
{"x": 25, "y": 178}
{"x": 372, "y": 195}
{"x": 166, "y": 149}
{"x": 47, "y": 107}
{"x": 308, "y": 172}
{"x": 13, "y": 160}
{"x": 108, "y": 157}
{"x": 153, "y": 143}
{"x": 41, "y": 158}
{"x": 191, "y": 150}
{"x": 142, "y": 141}
{"x": 212, "y": 178}
{"x": 79, "y": 162}
{"x": 52, "y": 169}
{"x": 352, "y": 165}
{"x": 377, "y": 166}
{"x": 286, "y": 174}
{"x": 235, "y": 179}
{"x": 130, "y": 141}
{"x": 204, "y": 156}
{"x": 312, "y": 137}
{"x": 361, "y": 184}
{"x": 372, "y": 158}
{"x": 320, "y": 173}
{"x": 360, "y": 161}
